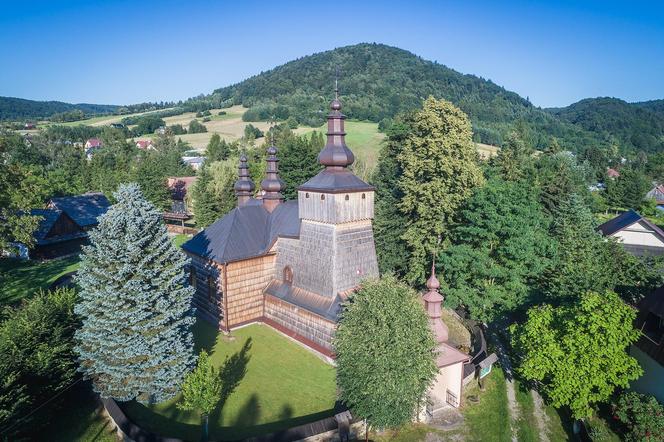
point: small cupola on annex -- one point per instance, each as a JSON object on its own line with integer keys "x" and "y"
{"x": 272, "y": 185}
{"x": 336, "y": 195}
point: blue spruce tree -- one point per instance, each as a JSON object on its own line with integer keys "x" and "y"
{"x": 135, "y": 303}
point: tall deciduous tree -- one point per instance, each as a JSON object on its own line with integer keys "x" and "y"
{"x": 213, "y": 192}
{"x": 579, "y": 352}
{"x": 500, "y": 246}
{"x": 383, "y": 375}
{"x": 439, "y": 168}
{"x": 135, "y": 341}
{"x": 201, "y": 390}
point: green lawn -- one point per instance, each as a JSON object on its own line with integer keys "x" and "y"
{"x": 274, "y": 384}
{"x": 19, "y": 279}
{"x": 180, "y": 239}
{"x": 489, "y": 419}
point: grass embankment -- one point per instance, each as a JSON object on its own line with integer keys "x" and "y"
{"x": 270, "y": 384}
{"x": 20, "y": 279}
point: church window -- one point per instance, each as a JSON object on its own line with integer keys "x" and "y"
{"x": 347, "y": 198}
{"x": 364, "y": 196}
{"x": 322, "y": 197}
{"x": 306, "y": 195}
{"x": 288, "y": 275}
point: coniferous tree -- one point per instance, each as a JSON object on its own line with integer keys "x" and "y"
{"x": 217, "y": 149}
{"x": 500, "y": 246}
{"x": 213, "y": 192}
{"x": 135, "y": 341}
{"x": 584, "y": 259}
{"x": 559, "y": 176}
{"x": 298, "y": 159}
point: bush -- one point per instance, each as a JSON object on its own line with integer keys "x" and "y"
{"x": 222, "y": 113}
{"x": 195, "y": 127}
{"x": 37, "y": 360}
{"x": 177, "y": 129}
{"x": 251, "y": 131}
{"x": 642, "y": 416}
{"x": 291, "y": 123}
{"x": 206, "y": 119}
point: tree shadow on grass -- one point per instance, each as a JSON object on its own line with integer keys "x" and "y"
{"x": 231, "y": 374}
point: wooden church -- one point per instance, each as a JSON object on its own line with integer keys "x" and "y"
{"x": 289, "y": 264}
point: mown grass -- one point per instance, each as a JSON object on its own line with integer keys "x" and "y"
{"x": 270, "y": 384}
{"x": 488, "y": 420}
{"x": 21, "y": 279}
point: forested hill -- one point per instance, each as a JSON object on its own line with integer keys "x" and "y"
{"x": 377, "y": 82}
{"x": 21, "y": 109}
{"x": 631, "y": 125}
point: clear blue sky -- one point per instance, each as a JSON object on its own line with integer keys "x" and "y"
{"x": 122, "y": 52}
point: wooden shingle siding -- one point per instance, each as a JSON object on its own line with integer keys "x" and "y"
{"x": 306, "y": 324}
{"x": 245, "y": 284}
{"x": 334, "y": 208}
{"x": 209, "y": 308}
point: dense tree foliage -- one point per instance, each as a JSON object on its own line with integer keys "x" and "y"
{"x": 37, "y": 360}
{"x": 251, "y": 131}
{"x": 213, "y": 193}
{"x": 578, "y": 352}
{"x": 201, "y": 390}
{"x": 642, "y": 415}
{"x": 439, "y": 170}
{"x": 135, "y": 340}
{"x": 383, "y": 375}
{"x": 21, "y": 109}
{"x": 379, "y": 82}
{"x": 500, "y": 245}
{"x": 218, "y": 149}
{"x": 628, "y": 190}
{"x": 298, "y": 158}
{"x": 637, "y": 126}
{"x": 196, "y": 127}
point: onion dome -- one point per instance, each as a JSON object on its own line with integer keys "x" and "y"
{"x": 433, "y": 301}
{"x": 244, "y": 187}
{"x": 272, "y": 185}
{"x": 336, "y": 154}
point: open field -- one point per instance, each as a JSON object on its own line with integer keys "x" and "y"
{"x": 20, "y": 279}
{"x": 270, "y": 384}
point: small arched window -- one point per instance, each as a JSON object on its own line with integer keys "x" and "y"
{"x": 288, "y": 275}
{"x": 306, "y": 195}
{"x": 322, "y": 197}
{"x": 212, "y": 288}
{"x": 364, "y": 196}
{"x": 347, "y": 198}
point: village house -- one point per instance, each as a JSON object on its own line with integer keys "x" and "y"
{"x": 144, "y": 144}
{"x": 612, "y": 173}
{"x": 657, "y": 193}
{"x": 195, "y": 162}
{"x": 649, "y": 349}
{"x": 64, "y": 224}
{"x": 93, "y": 143}
{"x": 638, "y": 236}
{"x": 289, "y": 264}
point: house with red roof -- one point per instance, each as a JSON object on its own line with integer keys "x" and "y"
{"x": 612, "y": 173}
{"x": 93, "y": 143}
{"x": 144, "y": 144}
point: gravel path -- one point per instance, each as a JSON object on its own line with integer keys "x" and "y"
{"x": 540, "y": 416}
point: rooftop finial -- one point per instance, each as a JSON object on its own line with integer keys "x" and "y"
{"x": 335, "y": 154}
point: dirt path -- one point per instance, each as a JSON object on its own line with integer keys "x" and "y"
{"x": 513, "y": 405}
{"x": 540, "y": 416}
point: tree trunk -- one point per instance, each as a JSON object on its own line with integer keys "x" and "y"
{"x": 204, "y": 433}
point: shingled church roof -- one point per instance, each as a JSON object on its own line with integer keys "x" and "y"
{"x": 246, "y": 232}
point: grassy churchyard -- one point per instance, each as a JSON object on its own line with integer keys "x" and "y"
{"x": 270, "y": 384}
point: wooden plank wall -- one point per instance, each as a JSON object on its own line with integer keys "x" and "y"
{"x": 246, "y": 281}
{"x": 207, "y": 306}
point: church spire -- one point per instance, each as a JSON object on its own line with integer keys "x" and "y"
{"x": 433, "y": 301}
{"x": 244, "y": 187}
{"x": 272, "y": 185}
{"x": 335, "y": 154}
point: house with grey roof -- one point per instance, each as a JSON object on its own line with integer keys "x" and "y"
{"x": 288, "y": 264}
{"x": 64, "y": 223}
{"x": 638, "y": 235}
{"x": 649, "y": 349}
